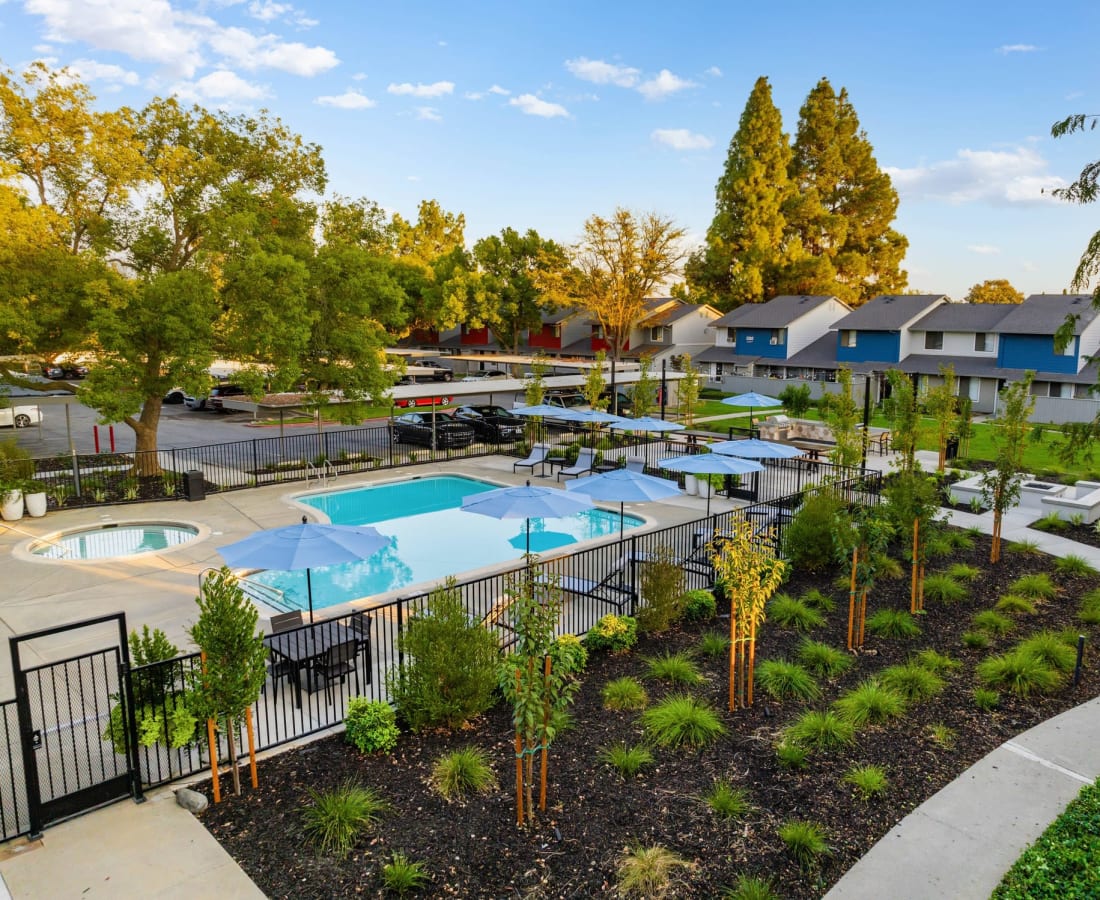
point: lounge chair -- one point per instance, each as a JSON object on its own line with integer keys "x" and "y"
{"x": 635, "y": 464}
{"x": 609, "y": 589}
{"x": 539, "y": 454}
{"x": 586, "y": 461}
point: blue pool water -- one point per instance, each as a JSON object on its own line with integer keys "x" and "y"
{"x": 431, "y": 537}
{"x": 107, "y": 541}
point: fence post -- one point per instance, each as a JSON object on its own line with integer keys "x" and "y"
{"x": 633, "y": 574}
{"x": 126, "y": 690}
{"x": 400, "y": 632}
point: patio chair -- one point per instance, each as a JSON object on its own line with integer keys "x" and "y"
{"x": 539, "y": 453}
{"x": 337, "y": 662}
{"x": 281, "y": 622}
{"x": 586, "y": 460}
{"x": 635, "y": 464}
{"x": 610, "y": 589}
{"x": 360, "y": 623}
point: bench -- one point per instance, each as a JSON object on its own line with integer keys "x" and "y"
{"x": 1083, "y": 499}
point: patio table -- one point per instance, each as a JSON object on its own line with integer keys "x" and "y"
{"x": 302, "y": 647}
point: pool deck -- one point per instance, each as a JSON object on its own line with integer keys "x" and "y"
{"x": 159, "y": 589}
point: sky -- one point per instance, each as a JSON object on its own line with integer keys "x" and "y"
{"x": 538, "y": 116}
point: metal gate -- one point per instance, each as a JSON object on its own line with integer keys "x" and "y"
{"x": 76, "y": 756}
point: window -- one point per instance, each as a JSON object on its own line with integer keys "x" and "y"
{"x": 731, "y": 335}
{"x": 656, "y": 335}
{"x": 982, "y": 343}
{"x": 717, "y": 370}
{"x": 1069, "y": 350}
{"x": 933, "y": 340}
{"x": 1055, "y": 389}
{"x": 597, "y": 332}
{"x": 778, "y": 336}
{"x": 847, "y": 339}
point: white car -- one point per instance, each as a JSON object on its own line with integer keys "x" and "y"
{"x": 20, "y": 416}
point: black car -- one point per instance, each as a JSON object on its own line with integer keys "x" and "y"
{"x": 420, "y": 427}
{"x": 72, "y": 371}
{"x": 492, "y": 423}
{"x": 173, "y": 397}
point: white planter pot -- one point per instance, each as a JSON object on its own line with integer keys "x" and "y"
{"x": 706, "y": 489}
{"x": 11, "y": 506}
{"x": 691, "y": 485}
{"x": 36, "y": 504}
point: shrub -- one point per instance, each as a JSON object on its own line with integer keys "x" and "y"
{"x": 727, "y": 801}
{"x": 869, "y": 703}
{"x": 869, "y": 781}
{"x": 662, "y": 590}
{"x": 682, "y": 720}
{"x": 1050, "y": 522}
{"x": 787, "y": 612}
{"x": 451, "y": 664}
{"x": 647, "y": 871}
{"x": 823, "y": 660}
{"x": 887, "y": 567}
{"x": 1037, "y": 585}
{"x": 963, "y": 572}
{"x": 805, "y": 841}
{"x": 1026, "y": 547}
{"x": 986, "y": 700}
{"x": 1051, "y": 649}
{"x": 401, "y": 875}
{"x": 624, "y": 693}
{"x": 976, "y": 640}
{"x": 371, "y": 725}
{"x": 809, "y": 541}
{"x": 992, "y": 622}
{"x": 699, "y": 606}
{"x": 936, "y": 662}
{"x": 627, "y": 761}
{"x": 751, "y": 887}
{"x": 1019, "y": 672}
{"x": 942, "y": 735}
{"x": 612, "y": 633}
{"x": 960, "y": 540}
{"x": 1089, "y": 611}
{"x": 818, "y": 730}
{"x": 1015, "y": 603}
{"x": 938, "y": 544}
{"x": 791, "y": 756}
{"x": 783, "y": 680}
{"x": 1072, "y": 565}
{"x": 568, "y": 656}
{"x": 892, "y": 623}
{"x": 675, "y": 667}
{"x": 815, "y": 599}
{"x": 944, "y": 589}
{"x": 714, "y": 643}
{"x": 336, "y": 819}
{"x": 912, "y": 682}
{"x": 462, "y": 772}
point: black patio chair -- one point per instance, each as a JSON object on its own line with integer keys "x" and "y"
{"x": 336, "y": 663}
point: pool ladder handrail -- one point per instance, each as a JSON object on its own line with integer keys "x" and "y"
{"x": 256, "y": 590}
{"x": 322, "y": 473}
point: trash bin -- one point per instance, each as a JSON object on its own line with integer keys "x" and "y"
{"x": 193, "y": 486}
{"x": 951, "y": 447}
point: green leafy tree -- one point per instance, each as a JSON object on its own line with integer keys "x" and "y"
{"x": 796, "y": 399}
{"x": 643, "y": 395}
{"x": 357, "y": 223}
{"x": 688, "y": 391}
{"x": 942, "y": 405}
{"x": 842, "y": 209}
{"x": 594, "y": 383}
{"x": 996, "y": 290}
{"x": 1001, "y": 485}
{"x": 1083, "y": 190}
{"x": 903, "y": 413}
{"x": 745, "y": 241}
{"x": 862, "y": 540}
{"x": 843, "y": 415}
{"x": 234, "y": 657}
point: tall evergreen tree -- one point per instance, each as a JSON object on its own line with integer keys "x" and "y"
{"x": 745, "y": 241}
{"x": 843, "y": 207}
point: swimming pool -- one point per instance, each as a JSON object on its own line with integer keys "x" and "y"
{"x": 112, "y": 540}
{"x": 430, "y": 538}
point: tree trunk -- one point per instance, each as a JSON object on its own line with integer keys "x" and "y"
{"x": 146, "y": 461}
{"x": 230, "y": 728}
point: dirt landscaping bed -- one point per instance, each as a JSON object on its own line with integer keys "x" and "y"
{"x": 474, "y": 849}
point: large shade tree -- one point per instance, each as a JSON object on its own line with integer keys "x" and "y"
{"x": 994, "y": 290}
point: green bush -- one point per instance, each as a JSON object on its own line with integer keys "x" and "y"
{"x": 936, "y": 662}
{"x": 699, "y": 606}
{"x": 992, "y": 622}
{"x": 986, "y": 700}
{"x": 942, "y": 588}
{"x": 818, "y": 730}
{"x": 1015, "y": 604}
{"x": 975, "y": 640}
{"x": 1019, "y": 672}
{"x": 714, "y": 643}
{"x": 1050, "y": 648}
{"x": 371, "y": 725}
{"x": 1072, "y": 565}
{"x": 627, "y": 761}
{"x": 810, "y": 541}
{"x": 1037, "y": 585}
{"x": 786, "y": 612}
{"x": 785, "y": 680}
{"x": 892, "y": 623}
{"x": 823, "y": 660}
{"x": 662, "y": 590}
{"x": 463, "y": 772}
{"x": 805, "y": 841}
{"x": 450, "y": 670}
{"x": 751, "y": 887}
{"x": 963, "y": 572}
{"x": 614, "y": 634}
{"x": 682, "y": 720}
{"x": 401, "y": 875}
{"x": 911, "y": 681}
{"x": 1089, "y": 611}
{"x": 647, "y": 871}
{"x": 624, "y": 693}
{"x": 869, "y": 781}
{"x": 674, "y": 667}
{"x": 815, "y": 599}
{"x": 336, "y": 819}
{"x": 727, "y": 801}
{"x": 869, "y": 703}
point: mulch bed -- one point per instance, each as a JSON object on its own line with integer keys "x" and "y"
{"x": 473, "y": 848}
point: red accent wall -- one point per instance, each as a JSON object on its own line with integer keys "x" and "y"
{"x": 545, "y": 338}
{"x": 599, "y": 344}
{"x": 475, "y": 336}
{"x": 425, "y": 335}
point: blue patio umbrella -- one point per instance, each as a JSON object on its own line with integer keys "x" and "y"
{"x": 306, "y": 546}
{"x": 646, "y": 423}
{"x": 626, "y": 487}
{"x": 526, "y": 502}
{"x": 754, "y": 448}
{"x": 592, "y": 417}
{"x": 751, "y": 400}
{"x": 542, "y": 409}
{"x": 711, "y": 464}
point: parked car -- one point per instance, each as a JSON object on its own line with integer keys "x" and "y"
{"x": 54, "y": 372}
{"x": 573, "y": 399}
{"x": 219, "y": 392}
{"x": 419, "y": 427}
{"x": 487, "y": 374}
{"x": 20, "y": 416}
{"x": 74, "y": 371}
{"x": 174, "y": 397}
{"x": 407, "y": 402}
{"x": 492, "y": 423}
{"x": 442, "y": 372}
{"x": 194, "y": 402}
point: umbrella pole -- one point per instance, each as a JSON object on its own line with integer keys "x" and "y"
{"x": 309, "y": 593}
{"x": 528, "y": 537}
{"x": 620, "y": 520}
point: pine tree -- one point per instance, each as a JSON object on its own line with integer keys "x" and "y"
{"x": 841, "y": 213}
{"x": 745, "y": 240}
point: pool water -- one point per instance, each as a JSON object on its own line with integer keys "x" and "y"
{"x": 430, "y": 538}
{"x": 108, "y": 541}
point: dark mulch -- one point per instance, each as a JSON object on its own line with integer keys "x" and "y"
{"x": 1082, "y": 534}
{"x": 473, "y": 849}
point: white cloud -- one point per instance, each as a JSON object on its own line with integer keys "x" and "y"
{"x": 350, "y": 99}
{"x": 473, "y": 95}
{"x": 681, "y": 139}
{"x": 269, "y": 11}
{"x": 497, "y": 89}
{"x": 268, "y": 51}
{"x": 714, "y": 72}
{"x": 90, "y": 70}
{"x": 599, "y": 72}
{"x": 983, "y": 249}
{"x": 999, "y": 178}
{"x": 412, "y": 177}
{"x": 221, "y": 85}
{"x": 1017, "y": 48}
{"x": 531, "y": 105}
{"x": 436, "y": 89}
{"x": 665, "y": 84}
{"x": 428, "y": 114}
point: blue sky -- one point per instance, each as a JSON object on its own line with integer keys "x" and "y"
{"x": 539, "y": 115}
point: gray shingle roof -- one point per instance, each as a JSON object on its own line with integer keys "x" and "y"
{"x": 976, "y": 317}
{"x": 779, "y": 312}
{"x": 724, "y": 355}
{"x": 821, "y": 354}
{"x": 1043, "y": 313}
{"x": 888, "y": 312}
{"x": 929, "y": 364}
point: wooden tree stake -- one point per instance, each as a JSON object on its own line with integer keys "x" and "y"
{"x": 913, "y": 588}
{"x": 519, "y": 765}
{"x": 852, "y": 597}
{"x": 545, "y": 729}
{"x": 213, "y": 761}
{"x": 251, "y": 747}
